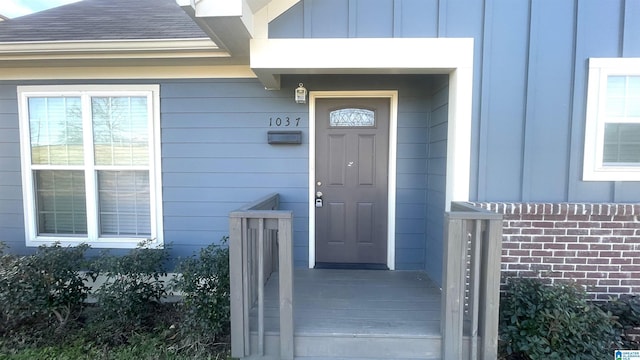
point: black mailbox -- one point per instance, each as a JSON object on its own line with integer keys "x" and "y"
{"x": 284, "y": 137}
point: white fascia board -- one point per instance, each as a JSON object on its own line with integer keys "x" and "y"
{"x": 185, "y": 71}
{"x": 109, "y": 49}
{"x": 271, "y": 57}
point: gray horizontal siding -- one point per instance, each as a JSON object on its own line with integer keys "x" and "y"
{"x": 216, "y": 157}
{"x": 232, "y": 165}
{"x": 530, "y": 80}
{"x": 11, "y": 209}
{"x": 436, "y": 182}
{"x": 411, "y": 182}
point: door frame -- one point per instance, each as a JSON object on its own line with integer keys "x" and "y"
{"x": 392, "y": 96}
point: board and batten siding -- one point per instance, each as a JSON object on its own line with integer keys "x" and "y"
{"x": 530, "y": 80}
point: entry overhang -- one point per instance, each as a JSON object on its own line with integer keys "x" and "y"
{"x": 271, "y": 58}
{"x": 228, "y": 23}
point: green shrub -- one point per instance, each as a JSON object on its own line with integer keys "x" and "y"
{"x": 43, "y": 290}
{"x": 204, "y": 283}
{"x": 132, "y": 290}
{"x": 145, "y": 346}
{"x": 626, "y": 310}
{"x": 539, "y": 321}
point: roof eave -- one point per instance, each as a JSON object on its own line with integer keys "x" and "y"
{"x": 111, "y": 49}
{"x": 233, "y": 23}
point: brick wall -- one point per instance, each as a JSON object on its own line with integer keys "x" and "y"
{"x": 598, "y": 245}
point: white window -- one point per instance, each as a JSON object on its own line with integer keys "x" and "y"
{"x": 612, "y": 133}
{"x": 91, "y": 164}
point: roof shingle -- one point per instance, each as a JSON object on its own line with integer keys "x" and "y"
{"x": 103, "y": 20}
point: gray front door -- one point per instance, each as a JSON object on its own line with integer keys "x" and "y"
{"x": 351, "y": 173}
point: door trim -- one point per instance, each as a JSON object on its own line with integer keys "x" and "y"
{"x": 392, "y": 95}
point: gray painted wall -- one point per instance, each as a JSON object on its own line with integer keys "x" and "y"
{"x": 529, "y": 79}
{"x": 527, "y": 136}
{"x": 11, "y": 210}
{"x": 215, "y": 158}
{"x": 436, "y": 181}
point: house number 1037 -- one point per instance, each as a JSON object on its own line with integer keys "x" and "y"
{"x": 284, "y": 121}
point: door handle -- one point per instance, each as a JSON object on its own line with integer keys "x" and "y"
{"x": 319, "y": 202}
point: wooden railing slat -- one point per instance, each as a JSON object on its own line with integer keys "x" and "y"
{"x": 246, "y": 282}
{"x": 474, "y": 285}
{"x": 261, "y": 255}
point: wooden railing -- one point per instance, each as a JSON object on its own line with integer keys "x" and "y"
{"x": 471, "y": 282}
{"x": 260, "y": 243}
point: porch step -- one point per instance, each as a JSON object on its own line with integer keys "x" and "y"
{"x": 351, "y": 358}
{"x": 355, "y": 347}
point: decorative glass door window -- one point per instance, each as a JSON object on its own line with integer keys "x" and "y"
{"x": 352, "y": 117}
{"x": 90, "y": 173}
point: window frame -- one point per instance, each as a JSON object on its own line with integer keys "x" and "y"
{"x": 599, "y": 71}
{"x": 152, "y": 92}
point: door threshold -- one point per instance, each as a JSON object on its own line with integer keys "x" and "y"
{"x": 351, "y": 266}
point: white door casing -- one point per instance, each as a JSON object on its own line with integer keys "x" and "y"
{"x": 391, "y": 190}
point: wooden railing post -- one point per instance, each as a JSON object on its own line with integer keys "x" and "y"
{"x": 236, "y": 297}
{"x": 490, "y": 299}
{"x": 453, "y": 288}
{"x": 251, "y": 262}
{"x": 484, "y": 281}
{"x": 285, "y": 237}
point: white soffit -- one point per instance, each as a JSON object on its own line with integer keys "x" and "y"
{"x": 272, "y": 57}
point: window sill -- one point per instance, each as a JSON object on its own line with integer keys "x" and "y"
{"x": 100, "y": 243}
{"x": 612, "y": 173}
